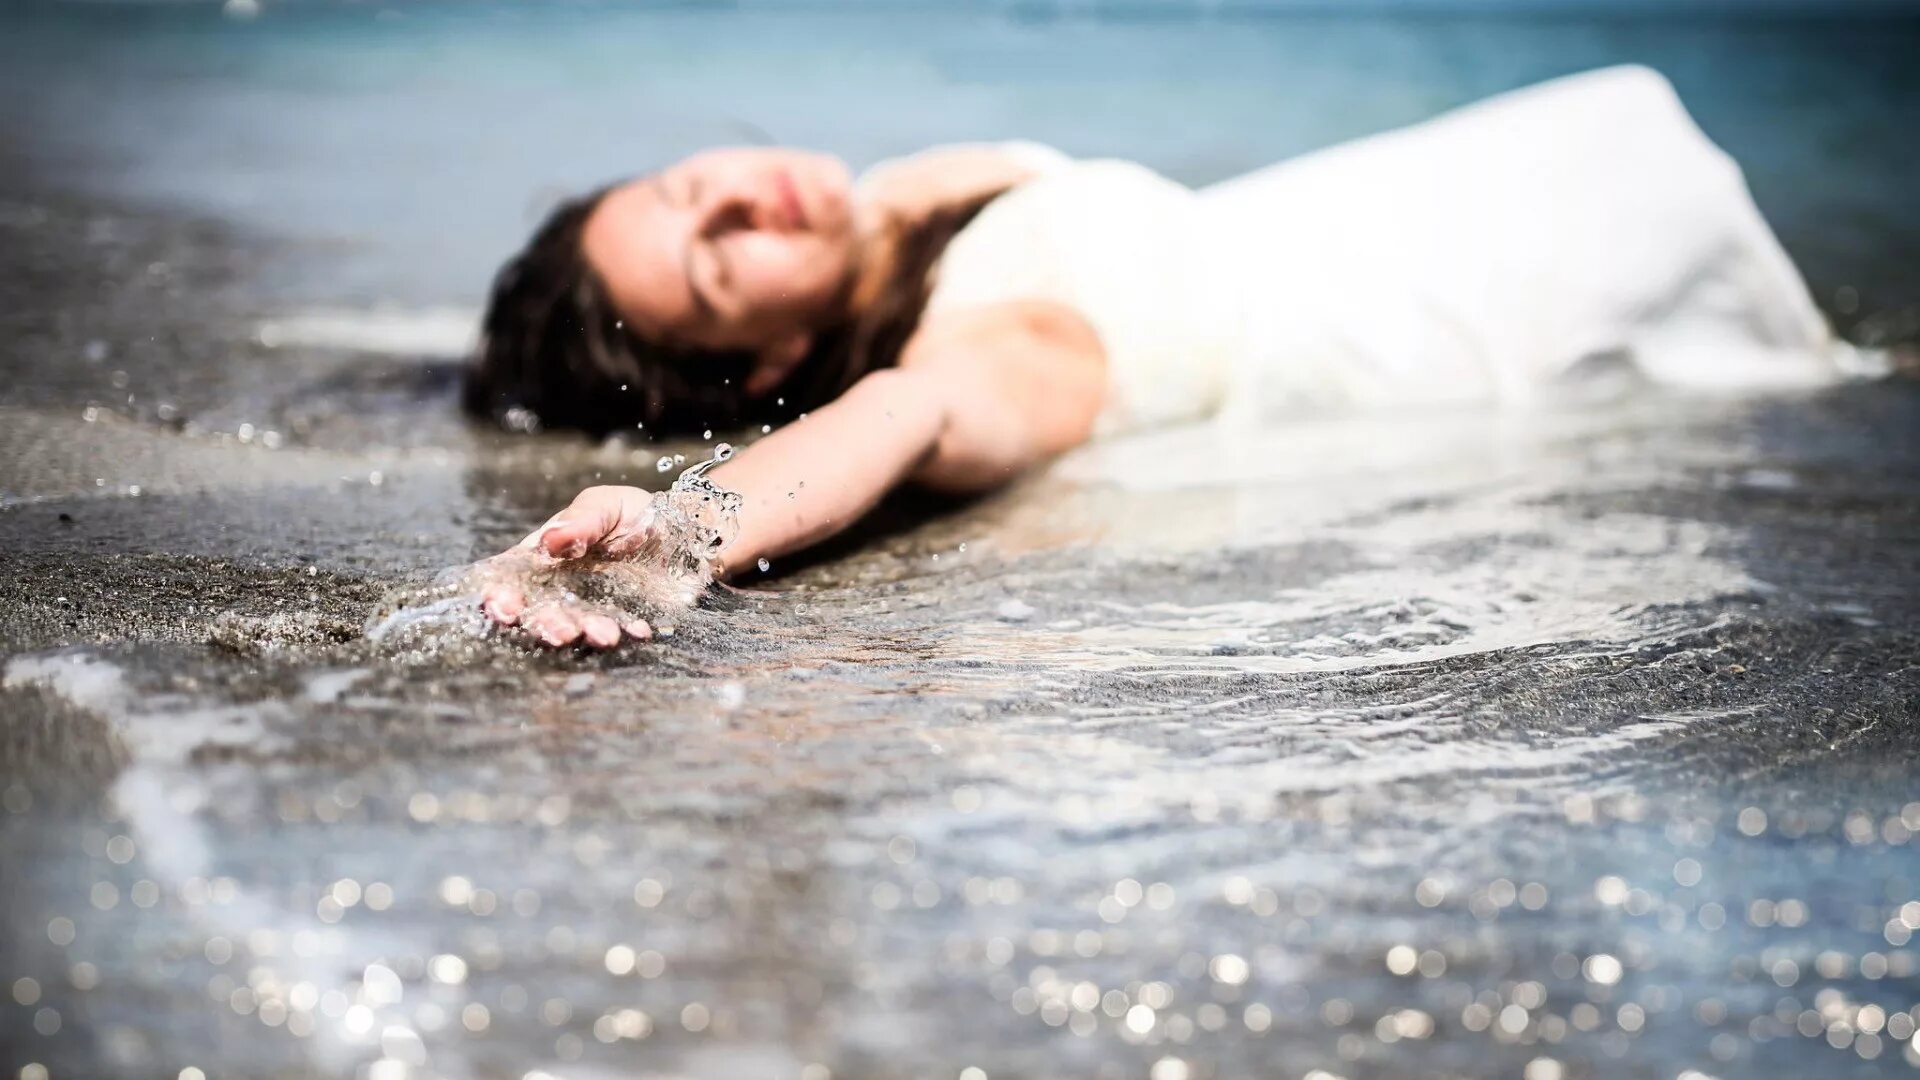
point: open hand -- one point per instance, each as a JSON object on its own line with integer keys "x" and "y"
{"x": 580, "y": 577}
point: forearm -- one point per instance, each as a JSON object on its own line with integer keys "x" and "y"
{"x": 816, "y": 476}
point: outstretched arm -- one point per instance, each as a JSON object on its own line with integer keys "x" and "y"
{"x": 979, "y": 396}
{"x": 815, "y": 476}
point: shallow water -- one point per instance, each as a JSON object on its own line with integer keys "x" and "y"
{"x": 1582, "y": 741}
{"x": 1567, "y": 744}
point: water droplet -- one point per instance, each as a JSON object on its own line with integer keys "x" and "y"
{"x": 723, "y": 451}
{"x": 765, "y": 565}
{"x": 707, "y": 434}
{"x": 664, "y": 463}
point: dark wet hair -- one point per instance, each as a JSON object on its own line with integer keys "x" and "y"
{"x": 555, "y": 354}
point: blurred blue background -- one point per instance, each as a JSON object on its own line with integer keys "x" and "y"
{"x": 410, "y": 146}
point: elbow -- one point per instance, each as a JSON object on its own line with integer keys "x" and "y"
{"x": 912, "y": 405}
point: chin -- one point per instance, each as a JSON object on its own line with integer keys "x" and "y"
{"x": 828, "y": 274}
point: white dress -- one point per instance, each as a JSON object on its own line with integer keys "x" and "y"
{"x": 1475, "y": 257}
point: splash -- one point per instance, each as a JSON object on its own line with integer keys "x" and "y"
{"x": 689, "y": 525}
{"x": 693, "y": 522}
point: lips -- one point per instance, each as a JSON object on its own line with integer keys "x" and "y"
{"x": 790, "y": 204}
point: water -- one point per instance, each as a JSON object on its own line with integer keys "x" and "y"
{"x": 1571, "y": 744}
{"x": 1627, "y": 688}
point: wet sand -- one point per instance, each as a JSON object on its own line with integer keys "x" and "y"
{"x": 1568, "y": 745}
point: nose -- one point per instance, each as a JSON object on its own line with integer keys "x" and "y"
{"x": 742, "y": 204}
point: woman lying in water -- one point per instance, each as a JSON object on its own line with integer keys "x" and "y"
{"x": 957, "y": 317}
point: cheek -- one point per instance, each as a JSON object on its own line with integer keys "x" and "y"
{"x": 792, "y": 273}
{"x": 835, "y": 187}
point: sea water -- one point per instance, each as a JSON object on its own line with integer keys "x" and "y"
{"x": 414, "y": 144}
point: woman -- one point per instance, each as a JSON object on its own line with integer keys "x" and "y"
{"x": 957, "y": 317}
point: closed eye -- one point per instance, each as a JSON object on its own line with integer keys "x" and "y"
{"x": 689, "y": 265}
{"x": 722, "y": 263}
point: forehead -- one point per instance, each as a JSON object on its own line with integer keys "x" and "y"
{"x": 729, "y": 157}
{"x": 635, "y": 240}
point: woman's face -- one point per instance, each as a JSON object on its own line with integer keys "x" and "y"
{"x": 734, "y": 249}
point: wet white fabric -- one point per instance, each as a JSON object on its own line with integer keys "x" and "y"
{"x": 1478, "y": 256}
{"x": 1119, "y": 244}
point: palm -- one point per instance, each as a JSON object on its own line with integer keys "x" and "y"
{"x": 595, "y": 573}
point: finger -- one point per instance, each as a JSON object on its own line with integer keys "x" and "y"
{"x": 637, "y": 629}
{"x": 600, "y": 631}
{"x": 633, "y": 524}
{"x": 504, "y": 604}
{"x": 572, "y": 532}
{"x": 566, "y": 539}
{"x": 553, "y": 625}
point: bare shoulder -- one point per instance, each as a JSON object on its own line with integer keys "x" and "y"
{"x": 944, "y": 175}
